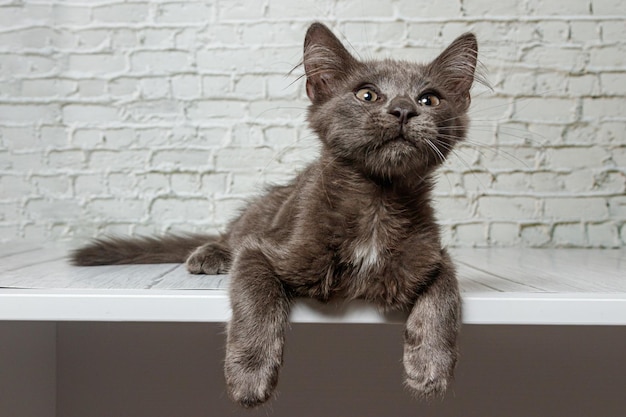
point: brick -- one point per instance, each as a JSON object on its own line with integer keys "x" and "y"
{"x": 93, "y": 113}
{"x": 546, "y": 182}
{"x": 577, "y": 181}
{"x": 162, "y": 39}
{"x": 181, "y": 12}
{"x": 216, "y": 86}
{"x": 513, "y": 208}
{"x": 205, "y": 109}
{"x": 569, "y": 234}
{"x": 96, "y": 64}
{"x": 604, "y": 57}
{"x": 186, "y": 86}
{"x": 214, "y": 183}
{"x": 116, "y": 209}
{"x": 584, "y": 32}
{"x": 245, "y": 136}
{"x": 51, "y": 186}
{"x": 91, "y": 88}
{"x": 143, "y": 111}
{"x": 18, "y": 138}
{"x": 27, "y": 65}
{"x": 272, "y": 32}
{"x": 29, "y": 113}
{"x": 72, "y": 14}
{"x": 610, "y": 132}
{"x": 153, "y": 182}
{"x": 617, "y": 207}
{"x": 478, "y": 182}
{"x": 599, "y": 108}
{"x": 89, "y": 184}
{"x": 123, "y": 86}
{"x": 603, "y": 235}
{"x": 472, "y": 234}
{"x": 52, "y": 209}
{"x": 489, "y": 8}
{"x": 504, "y": 234}
{"x": 422, "y": 8}
{"x": 572, "y": 208}
{"x": 159, "y": 62}
{"x": 48, "y": 88}
{"x": 250, "y": 87}
{"x": 613, "y": 30}
{"x": 576, "y": 157}
{"x": 114, "y": 160}
{"x": 241, "y": 10}
{"x": 545, "y": 110}
{"x": 184, "y": 183}
{"x": 257, "y": 60}
{"x": 238, "y": 160}
{"x": 154, "y": 87}
{"x": 453, "y": 208}
{"x": 536, "y": 235}
{"x": 607, "y": 7}
{"x": 66, "y": 159}
{"x": 514, "y": 181}
{"x": 280, "y": 137}
{"x": 583, "y": 85}
{"x": 186, "y": 209}
{"x": 122, "y": 13}
{"x": 572, "y": 59}
{"x": 14, "y": 15}
{"x": 95, "y": 39}
{"x": 182, "y": 159}
{"x": 549, "y": 7}
{"x": 280, "y": 9}
{"x": 613, "y": 83}
{"x": 14, "y": 187}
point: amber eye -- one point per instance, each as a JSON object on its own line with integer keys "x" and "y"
{"x": 429, "y": 99}
{"x": 367, "y": 95}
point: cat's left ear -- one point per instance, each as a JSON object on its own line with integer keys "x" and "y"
{"x": 326, "y": 63}
{"x": 455, "y": 67}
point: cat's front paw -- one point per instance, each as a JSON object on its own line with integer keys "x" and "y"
{"x": 428, "y": 371}
{"x": 248, "y": 385}
{"x": 208, "y": 259}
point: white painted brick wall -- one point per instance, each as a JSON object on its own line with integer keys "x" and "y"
{"x": 151, "y": 116}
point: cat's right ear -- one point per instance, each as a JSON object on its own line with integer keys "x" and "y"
{"x": 326, "y": 63}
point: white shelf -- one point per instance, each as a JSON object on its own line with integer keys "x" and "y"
{"x": 499, "y": 286}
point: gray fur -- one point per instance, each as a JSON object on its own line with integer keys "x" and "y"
{"x": 357, "y": 223}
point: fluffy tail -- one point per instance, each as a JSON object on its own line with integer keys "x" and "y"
{"x": 139, "y": 250}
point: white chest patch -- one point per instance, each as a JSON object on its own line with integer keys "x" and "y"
{"x": 366, "y": 255}
{"x": 367, "y": 251}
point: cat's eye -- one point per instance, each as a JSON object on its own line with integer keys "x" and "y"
{"x": 429, "y": 99}
{"x": 367, "y": 95}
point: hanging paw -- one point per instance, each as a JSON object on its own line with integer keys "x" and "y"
{"x": 250, "y": 383}
{"x": 428, "y": 371}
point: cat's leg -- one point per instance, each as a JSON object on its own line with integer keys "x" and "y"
{"x": 256, "y": 332}
{"x": 210, "y": 258}
{"x": 430, "y": 350}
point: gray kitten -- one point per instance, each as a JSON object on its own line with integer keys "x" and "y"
{"x": 356, "y": 223}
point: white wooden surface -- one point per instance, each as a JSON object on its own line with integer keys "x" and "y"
{"x": 499, "y": 286}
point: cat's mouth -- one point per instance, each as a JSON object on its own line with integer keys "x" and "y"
{"x": 401, "y": 137}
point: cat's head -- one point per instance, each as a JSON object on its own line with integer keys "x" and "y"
{"x": 390, "y": 119}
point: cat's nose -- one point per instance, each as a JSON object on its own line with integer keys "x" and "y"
{"x": 403, "y": 108}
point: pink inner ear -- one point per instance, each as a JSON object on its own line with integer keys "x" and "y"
{"x": 310, "y": 90}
